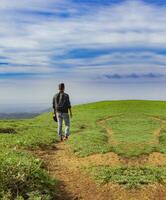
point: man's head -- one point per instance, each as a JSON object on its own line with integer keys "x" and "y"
{"x": 61, "y": 87}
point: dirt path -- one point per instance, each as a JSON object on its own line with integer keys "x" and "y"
{"x": 75, "y": 184}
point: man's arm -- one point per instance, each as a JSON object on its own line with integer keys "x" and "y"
{"x": 71, "y": 114}
{"x": 53, "y": 104}
{"x": 69, "y": 106}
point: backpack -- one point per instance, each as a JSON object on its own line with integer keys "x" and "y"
{"x": 60, "y": 103}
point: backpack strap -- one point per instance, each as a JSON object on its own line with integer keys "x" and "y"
{"x": 61, "y": 97}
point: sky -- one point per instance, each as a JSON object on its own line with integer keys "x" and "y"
{"x": 100, "y": 49}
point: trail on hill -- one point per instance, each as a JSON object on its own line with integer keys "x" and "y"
{"x": 75, "y": 183}
{"x": 109, "y": 130}
{"x": 157, "y": 132}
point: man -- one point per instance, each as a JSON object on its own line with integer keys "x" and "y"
{"x": 61, "y": 106}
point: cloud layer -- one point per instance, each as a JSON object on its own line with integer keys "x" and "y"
{"x": 83, "y": 41}
{"x": 39, "y": 37}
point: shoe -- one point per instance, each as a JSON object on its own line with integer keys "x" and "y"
{"x": 66, "y": 137}
{"x": 61, "y": 139}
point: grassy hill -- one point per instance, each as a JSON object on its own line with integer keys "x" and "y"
{"x": 130, "y": 129}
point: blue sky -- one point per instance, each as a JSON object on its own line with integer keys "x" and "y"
{"x": 101, "y": 49}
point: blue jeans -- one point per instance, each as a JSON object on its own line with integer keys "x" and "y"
{"x": 60, "y": 118}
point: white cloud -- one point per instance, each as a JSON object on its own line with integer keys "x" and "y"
{"x": 34, "y": 42}
{"x": 126, "y": 25}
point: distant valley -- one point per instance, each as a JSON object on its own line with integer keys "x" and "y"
{"x": 18, "y": 115}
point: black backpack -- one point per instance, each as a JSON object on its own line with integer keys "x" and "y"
{"x": 60, "y": 103}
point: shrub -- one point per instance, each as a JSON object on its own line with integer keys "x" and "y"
{"x": 22, "y": 176}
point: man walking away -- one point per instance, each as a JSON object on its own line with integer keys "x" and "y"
{"x": 61, "y": 106}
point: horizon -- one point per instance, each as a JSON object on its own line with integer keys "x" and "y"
{"x": 34, "y": 109}
{"x": 109, "y": 49}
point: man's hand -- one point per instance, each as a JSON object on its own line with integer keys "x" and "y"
{"x": 54, "y": 111}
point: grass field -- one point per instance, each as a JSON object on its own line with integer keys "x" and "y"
{"x": 130, "y": 129}
{"x": 133, "y": 125}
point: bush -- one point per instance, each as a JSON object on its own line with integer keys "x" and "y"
{"x": 22, "y": 177}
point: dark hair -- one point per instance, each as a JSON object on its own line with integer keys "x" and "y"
{"x": 61, "y": 86}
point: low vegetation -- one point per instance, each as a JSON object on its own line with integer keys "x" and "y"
{"x": 131, "y": 177}
{"x": 136, "y": 128}
{"x": 22, "y": 175}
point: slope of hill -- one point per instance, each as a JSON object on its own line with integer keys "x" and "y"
{"x": 121, "y": 143}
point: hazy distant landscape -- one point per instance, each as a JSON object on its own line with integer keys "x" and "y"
{"x": 26, "y": 111}
{"x": 18, "y": 115}
{"x": 23, "y": 108}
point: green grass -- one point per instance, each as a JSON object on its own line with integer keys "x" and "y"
{"x": 133, "y": 128}
{"x": 133, "y": 134}
{"x": 132, "y": 124}
{"x": 131, "y": 177}
{"x": 22, "y": 175}
{"x": 32, "y": 133}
